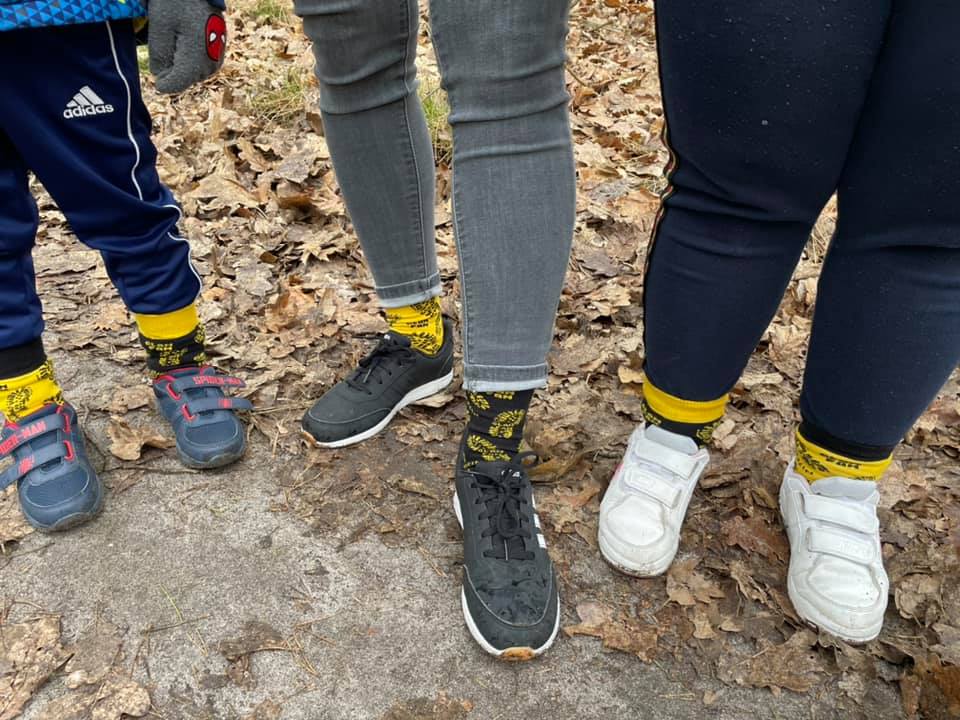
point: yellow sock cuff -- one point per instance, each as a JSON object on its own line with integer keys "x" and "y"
{"x": 691, "y": 412}
{"x": 168, "y": 326}
{"x": 815, "y": 463}
{"x": 25, "y": 394}
{"x": 421, "y": 322}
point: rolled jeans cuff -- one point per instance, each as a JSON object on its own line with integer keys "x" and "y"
{"x": 408, "y": 293}
{"x": 493, "y": 378}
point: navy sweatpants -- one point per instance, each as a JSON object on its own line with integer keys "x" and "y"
{"x": 771, "y": 107}
{"x": 71, "y": 112}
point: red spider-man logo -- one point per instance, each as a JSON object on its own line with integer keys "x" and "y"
{"x": 216, "y": 35}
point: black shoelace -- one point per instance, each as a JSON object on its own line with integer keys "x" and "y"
{"x": 390, "y": 352}
{"x": 501, "y": 486}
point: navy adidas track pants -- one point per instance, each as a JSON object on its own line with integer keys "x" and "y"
{"x": 770, "y": 108}
{"x": 71, "y": 113}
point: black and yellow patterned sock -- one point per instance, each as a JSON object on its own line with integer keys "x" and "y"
{"x": 692, "y": 418}
{"x": 172, "y": 340}
{"x": 26, "y": 393}
{"x": 421, "y": 322}
{"x": 494, "y": 425}
{"x": 820, "y": 455}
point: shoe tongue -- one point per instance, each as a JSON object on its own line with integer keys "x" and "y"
{"x": 680, "y": 443}
{"x": 515, "y": 546}
{"x": 193, "y": 370}
{"x": 839, "y": 487}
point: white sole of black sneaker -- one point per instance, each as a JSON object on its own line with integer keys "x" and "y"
{"x": 415, "y": 395}
{"x": 512, "y": 654}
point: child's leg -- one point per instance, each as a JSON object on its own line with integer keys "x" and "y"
{"x": 26, "y": 377}
{"x": 57, "y": 487}
{"x": 886, "y": 334}
{"x": 85, "y": 132}
{"x": 755, "y": 159}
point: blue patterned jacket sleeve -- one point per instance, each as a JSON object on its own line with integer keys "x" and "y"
{"x": 18, "y": 14}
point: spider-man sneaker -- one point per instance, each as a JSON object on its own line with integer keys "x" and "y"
{"x": 56, "y": 485}
{"x": 208, "y": 432}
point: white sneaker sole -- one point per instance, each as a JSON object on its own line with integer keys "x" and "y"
{"x": 511, "y": 654}
{"x": 620, "y": 563}
{"x": 809, "y": 613}
{"x": 416, "y": 395}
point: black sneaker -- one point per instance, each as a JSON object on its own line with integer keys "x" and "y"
{"x": 393, "y": 376}
{"x": 509, "y": 596}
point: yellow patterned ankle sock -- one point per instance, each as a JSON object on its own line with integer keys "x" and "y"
{"x": 25, "y": 394}
{"x": 422, "y": 323}
{"x": 172, "y": 340}
{"x": 816, "y": 463}
{"x": 692, "y": 418}
{"x": 495, "y": 423}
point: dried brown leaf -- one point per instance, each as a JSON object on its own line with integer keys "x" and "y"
{"x": 932, "y": 690}
{"x": 756, "y": 536}
{"x": 686, "y": 587}
{"x": 30, "y": 652}
{"x": 412, "y": 485}
{"x": 93, "y": 655}
{"x": 793, "y": 665}
{"x": 617, "y": 632}
{"x": 628, "y": 375}
{"x": 131, "y": 397}
{"x": 115, "y": 698}
{"x": 127, "y": 442}
{"x": 13, "y": 526}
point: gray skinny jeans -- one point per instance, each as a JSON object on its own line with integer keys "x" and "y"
{"x": 501, "y": 63}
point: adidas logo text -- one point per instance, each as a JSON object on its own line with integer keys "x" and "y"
{"x": 85, "y": 103}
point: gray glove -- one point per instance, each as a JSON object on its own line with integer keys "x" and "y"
{"x": 187, "y": 40}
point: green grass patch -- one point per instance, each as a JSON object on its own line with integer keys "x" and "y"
{"x": 276, "y": 12}
{"x": 284, "y": 102}
{"x": 143, "y": 60}
{"x": 436, "y": 108}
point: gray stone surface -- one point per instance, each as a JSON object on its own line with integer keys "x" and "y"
{"x": 370, "y": 627}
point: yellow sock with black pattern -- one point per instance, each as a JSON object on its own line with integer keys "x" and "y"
{"x": 495, "y": 423}
{"x": 24, "y": 394}
{"x": 172, "y": 340}
{"x": 821, "y": 456}
{"x": 421, "y": 322}
{"x": 692, "y": 418}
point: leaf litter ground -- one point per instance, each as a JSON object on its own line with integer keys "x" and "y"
{"x": 289, "y": 306}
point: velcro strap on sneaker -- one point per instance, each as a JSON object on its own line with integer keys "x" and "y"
{"x": 660, "y": 490}
{"x": 841, "y": 545}
{"x": 673, "y": 460}
{"x": 9, "y": 476}
{"x": 31, "y": 431}
{"x": 840, "y": 512}
{"x": 195, "y": 407}
{"x": 190, "y": 382}
{"x": 48, "y": 453}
